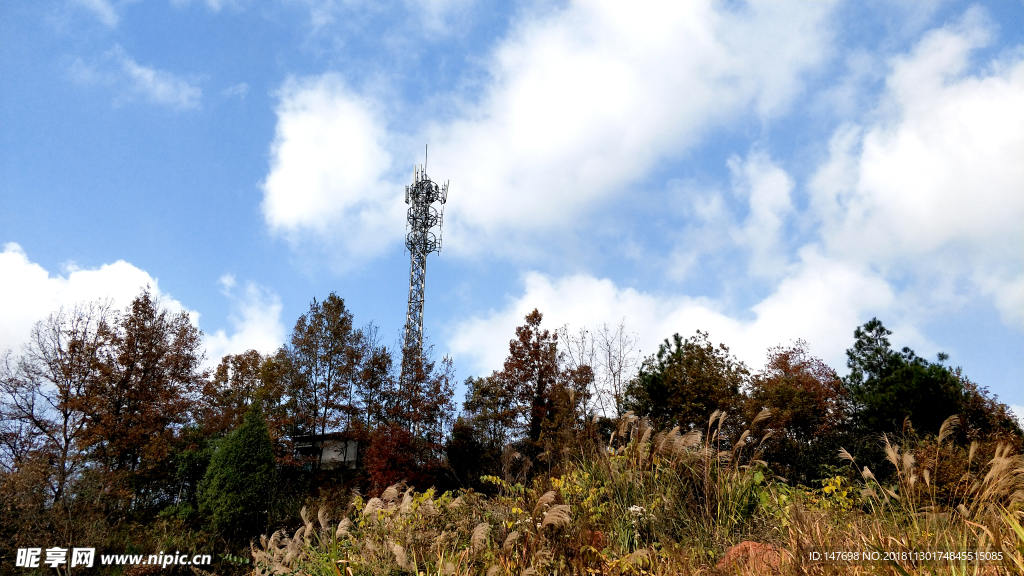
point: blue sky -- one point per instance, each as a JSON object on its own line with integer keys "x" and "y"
{"x": 764, "y": 172}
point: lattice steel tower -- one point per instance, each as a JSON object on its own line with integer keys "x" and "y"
{"x": 426, "y": 211}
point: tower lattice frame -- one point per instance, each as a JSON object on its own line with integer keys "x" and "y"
{"x": 426, "y": 202}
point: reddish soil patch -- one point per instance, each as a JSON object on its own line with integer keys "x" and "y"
{"x": 756, "y": 557}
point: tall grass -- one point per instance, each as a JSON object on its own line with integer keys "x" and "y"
{"x": 674, "y": 502}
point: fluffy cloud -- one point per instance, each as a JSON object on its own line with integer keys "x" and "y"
{"x": 910, "y": 204}
{"x": 328, "y": 168}
{"x": 28, "y": 293}
{"x": 255, "y": 320}
{"x": 580, "y": 102}
{"x": 932, "y": 186}
{"x": 588, "y": 100}
{"x": 821, "y": 302}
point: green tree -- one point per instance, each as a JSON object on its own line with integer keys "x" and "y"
{"x": 888, "y": 387}
{"x": 470, "y": 455}
{"x": 490, "y": 410}
{"x": 235, "y": 491}
{"x": 241, "y": 380}
{"x": 686, "y": 381}
{"x": 487, "y": 426}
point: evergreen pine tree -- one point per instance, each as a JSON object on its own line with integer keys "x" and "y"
{"x": 888, "y": 386}
{"x": 235, "y": 492}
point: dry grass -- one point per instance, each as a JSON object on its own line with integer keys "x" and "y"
{"x": 669, "y": 502}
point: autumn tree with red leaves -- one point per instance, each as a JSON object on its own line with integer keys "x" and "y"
{"x": 148, "y": 380}
{"x": 412, "y": 417}
{"x": 230, "y": 391}
{"x": 809, "y": 409}
{"x": 535, "y": 399}
{"x": 326, "y": 354}
{"x": 238, "y": 382}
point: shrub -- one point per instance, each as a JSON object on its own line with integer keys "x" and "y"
{"x": 235, "y": 492}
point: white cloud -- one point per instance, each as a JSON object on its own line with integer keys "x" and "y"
{"x": 158, "y": 86}
{"x": 580, "y": 103}
{"x": 103, "y": 10}
{"x": 587, "y": 100}
{"x": 767, "y": 188}
{"x": 821, "y": 302}
{"x": 932, "y": 186}
{"x": 583, "y": 101}
{"x": 28, "y": 293}
{"x": 119, "y": 71}
{"x": 255, "y": 321}
{"x": 328, "y": 168}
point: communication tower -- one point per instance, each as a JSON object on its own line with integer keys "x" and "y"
{"x": 426, "y": 202}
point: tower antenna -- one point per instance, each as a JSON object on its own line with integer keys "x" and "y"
{"x": 426, "y": 202}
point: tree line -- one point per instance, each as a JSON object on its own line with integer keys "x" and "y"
{"x": 545, "y": 398}
{"x": 108, "y": 422}
{"x": 111, "y": 431}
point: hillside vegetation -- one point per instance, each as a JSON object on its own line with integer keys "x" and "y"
{"x": 576, "y": 457}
